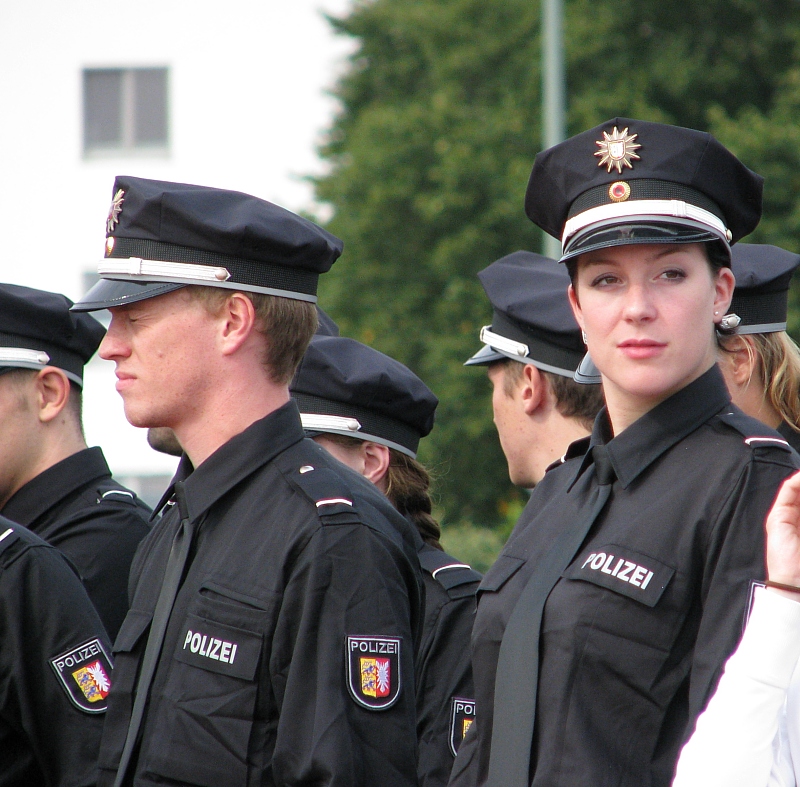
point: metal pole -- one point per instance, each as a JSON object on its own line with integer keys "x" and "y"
{"x": 553, "y": 89}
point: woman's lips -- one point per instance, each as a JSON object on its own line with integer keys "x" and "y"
{"x": 640, "y": 349}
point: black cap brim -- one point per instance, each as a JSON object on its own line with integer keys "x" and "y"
{"x": 637, "y": 233}
{"x": 587, "y": 373}
{"x": 484, "y": 356}
{"x": 108, "y": 293}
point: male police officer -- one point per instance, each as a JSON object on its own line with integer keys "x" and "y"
{"x": 370, "y": 412}
{"x": 49, "y": 480}
{"x": 532, "y": 348}
{"x": 276, "y": 606}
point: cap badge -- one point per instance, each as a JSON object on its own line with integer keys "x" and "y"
{"x": 619, "y": 191}
{"x": 617, "y": 149}
{"x": 116, "y": 209}
{"x": 109, "y": 245}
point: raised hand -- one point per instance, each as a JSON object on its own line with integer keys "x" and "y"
{"x": 783, "y": 534}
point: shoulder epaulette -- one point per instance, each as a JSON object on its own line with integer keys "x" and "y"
{"x": 8, "y": 535}
{"x": 755, "y": 434}
{"x": 446, "y": 570}
{"x": 328, "y": 491}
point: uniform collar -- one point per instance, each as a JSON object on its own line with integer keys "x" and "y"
{"x": 658, "y": 430}
{"x": 51, "y": 486}
{"x": 242, "y": 455}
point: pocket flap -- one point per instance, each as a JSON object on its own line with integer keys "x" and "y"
{"x": 503, "y": 569}
{"x": 134, "y": 625}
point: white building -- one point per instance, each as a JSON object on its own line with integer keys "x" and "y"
{"x": 224, "y": 94}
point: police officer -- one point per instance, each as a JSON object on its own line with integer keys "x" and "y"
{"x": 55, "y": 667}
{"x": 603, "y": 626}
{"x": 50, "y": 481}
{"x": 761, "y": 362}
{"x": 370, "y": 412}
{"x": 532, "y": 349}
{"x": 275, "y": 608}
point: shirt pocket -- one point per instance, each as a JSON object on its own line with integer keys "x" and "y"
{"x": 646, "y": 602}
{"x": 205, "y": 717}
{"x": 501, "y": 571}
{"x": 126, "y": 652}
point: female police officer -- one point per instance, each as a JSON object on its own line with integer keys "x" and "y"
{"x": 761, "y": 362}
{"x": 602, "y": 628}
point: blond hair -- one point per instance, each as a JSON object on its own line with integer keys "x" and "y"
{"x": 776, "y": 357}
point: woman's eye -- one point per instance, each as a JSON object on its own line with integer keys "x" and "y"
{"x": 604, "y": 279}
{"x": 673, "y": 273}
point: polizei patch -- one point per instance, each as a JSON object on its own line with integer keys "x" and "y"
{"x": 624, "y": 571}
{"x": 373, "y": 670}
{"x": 462, "y": 714}
{"x": 85, "y": 674}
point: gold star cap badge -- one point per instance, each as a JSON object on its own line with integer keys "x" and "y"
{"x": 617, "y": 150}
{"x": 115, "y": 210}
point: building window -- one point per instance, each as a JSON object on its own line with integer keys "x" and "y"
{"x": 124, "y": 110}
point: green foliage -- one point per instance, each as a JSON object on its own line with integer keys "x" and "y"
{"x": 430, "y": 156}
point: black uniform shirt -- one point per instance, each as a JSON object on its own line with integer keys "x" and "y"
{"x": 790, "y": 435}
{"x": 291, "y": 602}
{"x": 77, "y": 506}
{"x": 445, "y": 694}
{"x": 50, "y": 638}
{"x": 628, "y": 658}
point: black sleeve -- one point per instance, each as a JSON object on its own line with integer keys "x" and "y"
{"x": 45, "y": 615}
{"x": 101, "y": 542}
{"x": 445, "y": 687}
{"x": 734, "y": 557}
{"x": 345, "y": 698}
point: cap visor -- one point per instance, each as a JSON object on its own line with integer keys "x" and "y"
{"x": 587, "y": 373}
{"x": 635, "y": 233}
{"x": 485, "y": 355}
{"x": 108, "y": 293}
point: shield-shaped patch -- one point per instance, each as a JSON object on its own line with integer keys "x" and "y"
{"x": 373, "y": 670}
{"x": 85, "y": 674}
{"x": 462, "y": 714}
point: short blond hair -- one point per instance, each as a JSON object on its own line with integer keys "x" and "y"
{"x": 286, "y": 324}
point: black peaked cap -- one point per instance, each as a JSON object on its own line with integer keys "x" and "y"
{"x": 241, "y": 241}
{"x": 647, "y": 161}
{"x": 761, "y": 296}
{"x": 342, "y": 377}
{"x": 528, "y": 293}
{"x": 35, "y": 322}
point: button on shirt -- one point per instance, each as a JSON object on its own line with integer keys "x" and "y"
{"x": 255, "y": 682}
{"x": 77, "y": 506}
{"x": 635, "y": 633}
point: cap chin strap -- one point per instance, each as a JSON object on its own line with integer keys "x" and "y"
{"x": 641, "y": 208}
{"x": 499, "y": 342}
{"x": 315, "y": 422}
{"x": 20, "y": 358}
{"x": 134, "y": 267}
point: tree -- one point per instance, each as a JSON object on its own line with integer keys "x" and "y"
{"x": 430, "y": 156}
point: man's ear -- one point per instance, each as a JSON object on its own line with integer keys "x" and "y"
{"x": 237, "y": 322}
{"x": 532, "y": 390}
{"x": 376, "y": 463}
{"x": 52, "y": 393}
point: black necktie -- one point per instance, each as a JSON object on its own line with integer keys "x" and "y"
{"x": 173, "y": 574}
{"x": 518, "y": 663}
